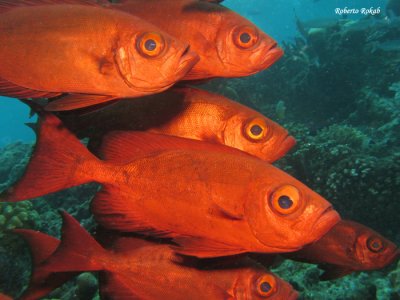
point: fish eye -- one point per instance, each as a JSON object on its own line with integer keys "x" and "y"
{"x": 286, "y": 199}
{"x": 150, "y": 44}
{"x": 266, "y": 285}
{"x": 375, "y": 244}
{"x": 245, "y": 37}
{"x": 256, "y": 129}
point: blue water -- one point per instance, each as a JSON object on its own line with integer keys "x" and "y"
{"x": 12, "y": 121}
{"x": 276, "y": 17}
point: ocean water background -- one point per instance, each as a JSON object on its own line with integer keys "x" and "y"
{"x": 276, "y": 17}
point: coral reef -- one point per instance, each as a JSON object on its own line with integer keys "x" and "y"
{"x": 367, "y": 286}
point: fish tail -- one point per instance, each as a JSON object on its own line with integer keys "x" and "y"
{"x": 58, "y": 161}
{"x": 56, "y": 262}
{"x": 78, "y": 250}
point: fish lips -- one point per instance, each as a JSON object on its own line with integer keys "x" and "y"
{"x": 294, "y": 295}
{"x": 273, "y": 53}
{"x": 326, "y": 220}
{"x": 288, "y": 143}
{"x": 188, "y": 59}
{"x": 393, "y": 258}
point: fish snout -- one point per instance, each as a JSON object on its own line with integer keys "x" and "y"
{"x": 271, "y": 53}
{"x": 188, "y": 58}
{"x": 287, "y": 143}
{"x": 294, "y": 295}
{"x": 395, "y": 257}
{"x": 326, "y": 220}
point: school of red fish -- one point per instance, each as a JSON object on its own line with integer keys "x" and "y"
{"x": 191, "y": 206}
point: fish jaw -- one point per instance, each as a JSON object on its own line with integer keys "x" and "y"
{"x": 294, "y": 295}
{"x": 281, "y": 148}
{"x": 124, "y": 66}
{"x": 326, "y": 220}
{"x": 188, "y": 60}
{"x": 271, "y": 56}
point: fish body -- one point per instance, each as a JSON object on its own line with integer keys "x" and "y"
{"x": 346, "y": 248}
{"x": 45, "y": 46}
{"x": 210, "y": 202}
{"x": 228, "y": 44}
{"x": 133, "y": 268}
{"x": 189, "y": 113}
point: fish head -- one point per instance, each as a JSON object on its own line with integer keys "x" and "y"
{"x": 257, "y": 283}
{"x": 287, "y": 215}
{"x": 152, "y": 61}
{"x": 255, "y": 134}
{"x": 373, "y": 251}
{"x": 243, "y": 48}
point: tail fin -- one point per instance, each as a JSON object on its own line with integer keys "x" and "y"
{"x": 56, "y": 262}
{"x": 54, "y": 164}
{"x": 42, "y": 282}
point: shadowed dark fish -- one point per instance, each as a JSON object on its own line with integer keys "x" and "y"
{"x": 188, "y": 113}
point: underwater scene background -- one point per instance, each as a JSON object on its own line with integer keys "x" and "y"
{"x": 336, "y": 90}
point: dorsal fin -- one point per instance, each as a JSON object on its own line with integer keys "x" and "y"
{"x": 122, "y": 146}
{"x": 10, "y": 4}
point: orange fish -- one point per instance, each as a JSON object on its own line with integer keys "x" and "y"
{"x": 348, "y": 247}
{"x": 94, "y": 53}
{"x": 189, "y": 113}
{"x": 139, "y": 269}
{"x": 212, "y": 202}
{"x": 228, "y": 44}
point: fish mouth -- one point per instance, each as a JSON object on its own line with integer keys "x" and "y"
{"x": 394, "y": 257}
{"x": 294, "y": 295}
{"x": 327, "y": 219}
{"x": 188, "y": 59}
{"x": 288, "y": 143}
{"x": 273, "y": 53}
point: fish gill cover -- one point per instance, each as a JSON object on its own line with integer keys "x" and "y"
{"x": 336, "y": 90}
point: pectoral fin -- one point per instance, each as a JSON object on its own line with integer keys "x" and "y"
{"x": 332, "y": 272}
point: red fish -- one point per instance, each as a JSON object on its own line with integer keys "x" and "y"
{"x": 212, "y": 202}
{"x": 346, "y": 248}
{"x": 4, "y": 297}
{"x": 97, "y": 54}
{"x": 138, "y": 269}
{"x": 228, "y": 44}
{"x": 189, "y": 113}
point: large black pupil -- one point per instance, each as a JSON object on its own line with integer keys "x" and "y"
{"x": 375, "y": 245}
{"x": 265, "y": 287}
{"x": 285, "y": 202}
{"x": 150, "y": 45}
{"x": 256, "y": 130}
{"x": 245, "y": 38}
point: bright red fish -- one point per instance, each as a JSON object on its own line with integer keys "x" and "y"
{"x": 228, "y": 44}
{"x": 189, "y": 113}
{"x": 346, "y": 248}
{"x": 97, "y": 54}
{"x": 139, "y": 269}
{"x": 212, "y": 200}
